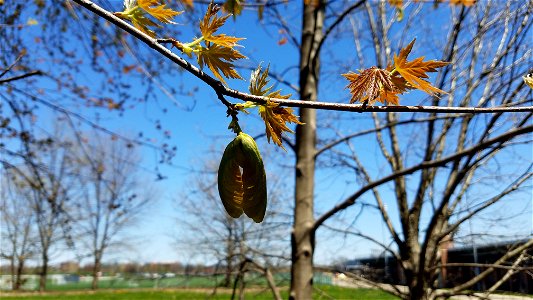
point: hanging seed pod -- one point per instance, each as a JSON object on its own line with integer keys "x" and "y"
{"x": 242, "y": 179}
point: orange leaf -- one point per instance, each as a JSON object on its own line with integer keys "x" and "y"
{"x": 127, "y": 69}
{"x": 211, "y": 23}
{"x": 314, "y": 3}
{"x": 188, "y": 3}
{"x": 259, "y": 81}
{"x": 219, "y": 59}
{"x": 414, "y": 72}
{"x": 158, "y": 10}
{"x": 369, "y": 84}
{"x": 396, "y": 3}
{"x": 275, "y": 118}
{"x": 463, "y": 2}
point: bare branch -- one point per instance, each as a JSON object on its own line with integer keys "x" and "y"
{"x": 424, "y": 165}
{"x": 29, "y": 74}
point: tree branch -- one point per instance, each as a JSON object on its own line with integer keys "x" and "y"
{"x": 424, "y": 165}
{"x": 222, "y": 90}
{"x": 32, "y": 73}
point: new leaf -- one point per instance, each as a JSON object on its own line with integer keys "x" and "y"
{"x": 219, "y": 59}
{"x": 211, "y": 23}
{"x": 137, "y": 12}
{"x": 414, "y": 72}
{"x": 371, "y": 85}
{"x": 274, "y": 116}
{"x": 158, "y": 10}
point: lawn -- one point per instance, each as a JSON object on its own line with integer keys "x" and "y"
{"x": 322, "y": 292}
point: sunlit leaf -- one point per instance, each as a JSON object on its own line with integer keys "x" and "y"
{"x": 211, "y": 23}
{"x": 414, "y": 72}
{"x": 137, "y": 11}
{"x": 463, "y": 2}
{"x": 314, "y": 3}
{"x": 369, "y": 84}
{"x": 258, "y": 85}
{"x": 219, "y": 60}
{"x": 275, "y": 118}
{"x": 158, "y": 10}
{"x": 31, "y": 21}
{"x": 528, "y": 79}
{"x": 188, "y": 3}
{"x": 233, "y": 7}
{"x": 396, "y": 3}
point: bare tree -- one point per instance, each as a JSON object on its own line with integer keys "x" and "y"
{"x": 214, "y": 235}
{"x": 112, "y": 194}
{"x": 46, "y": 185}
{"x": 18, "y": 233}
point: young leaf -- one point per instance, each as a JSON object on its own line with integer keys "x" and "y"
{"x": 463, "y": 2}
{"x": 314, "y": 3}
{"x": 396, "y": 3}
{"x": 414, "y": 72}
{"x": 137, "y": 12}
{"x": 219, "y": 59}
{"x": 140, "y": 21}
{"x": 211, "y": 23}
{"x": 233, "y": 7}
{"x": 275, "y": 118}
{"x": 188, "y": 3}
{"x": 258, "y": 83}
{"x": 158, "y": 10}
{"x": 370, "y": 84}
{"x": 528, "y": 79}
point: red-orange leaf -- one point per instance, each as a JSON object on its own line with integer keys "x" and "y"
{"x": 368, "y": 85}
{"x": 414, "y": 72}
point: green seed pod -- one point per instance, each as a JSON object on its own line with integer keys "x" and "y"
{"x": 242, "y": 179}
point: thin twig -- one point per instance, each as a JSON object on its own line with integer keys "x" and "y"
{"x": 32, "y": 73}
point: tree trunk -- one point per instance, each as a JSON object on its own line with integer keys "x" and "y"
{"x": 229, "y": 270}
{"x": 96, "y": 270}
{"x": 12, "y": 270}
{"x": 302, "y": 238}
{"x": 230, "y": 252}
{"x": 43, "y": 273}
{"x": 18, "y": 280}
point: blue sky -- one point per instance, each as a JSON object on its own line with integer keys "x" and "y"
{"x": 196, "y": 131}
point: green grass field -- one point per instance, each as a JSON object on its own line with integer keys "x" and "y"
{"x": 322, "y": 292}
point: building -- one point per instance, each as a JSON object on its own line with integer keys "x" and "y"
{"x": 386, "y": 269}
